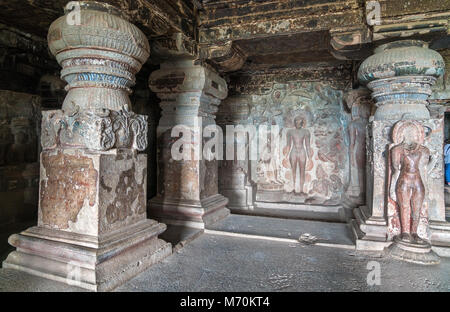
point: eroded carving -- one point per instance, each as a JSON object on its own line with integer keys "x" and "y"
{"x": 127, "y": 191}
{"x": 179, "y": 178}
{"x": 70, "y": 183}
{"x": 101, "y": 129}
{"x": 308, "y": 163}
{"x": 360, "y": 105}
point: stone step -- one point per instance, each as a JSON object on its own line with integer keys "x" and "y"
{"x": 326, "y": 233}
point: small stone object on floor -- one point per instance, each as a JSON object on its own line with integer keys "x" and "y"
{"x": 307, "y": 238}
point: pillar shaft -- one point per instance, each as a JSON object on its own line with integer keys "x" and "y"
{"x": 187, "y": 189}
{"x": 234, "y": 174}
{"x": 93, "y": 230}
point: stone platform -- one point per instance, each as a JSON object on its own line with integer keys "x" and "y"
{"x": 86, "y": 261}
{"x": 333, "y": 213}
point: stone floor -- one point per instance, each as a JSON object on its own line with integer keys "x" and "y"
{"x": 222, "y": 259}
{"x": 289, "y": 229}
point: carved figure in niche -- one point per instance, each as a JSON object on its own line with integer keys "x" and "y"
{"x": 357, "y": 135}
{"x": 298, "y": 141}
{"x": 269, "y": 161}
{"x": 410, "y": 160}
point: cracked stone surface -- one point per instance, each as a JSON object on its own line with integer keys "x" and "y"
{"x": 216, "y": 263}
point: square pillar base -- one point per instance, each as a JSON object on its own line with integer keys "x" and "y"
{"x": 239, "y": 200}
{"x": 369, "y": 233}
{"x": 92, "y": 229}
{"x": 196, "y": 214}
{"x": 86, "y": 261}
{"x": 440, "y": 238}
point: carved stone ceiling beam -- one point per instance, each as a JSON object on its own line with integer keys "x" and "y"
{"x": 238, "y": 35}
{"x": 337, "y": 73}
{"x": 269, "y": 33}
{"x": 177, "y": 46}
{"x": 233, "y": 20}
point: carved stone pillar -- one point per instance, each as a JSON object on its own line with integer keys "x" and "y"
{"x": 93, "y": 230}
{"x": 187, "y": 189}
{"x": 400, "y": 75}
{"x": 234, "y": 175}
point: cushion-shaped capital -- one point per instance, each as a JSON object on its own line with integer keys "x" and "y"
{"x": 401, "y": 58}
{"x": 99, "y": 26}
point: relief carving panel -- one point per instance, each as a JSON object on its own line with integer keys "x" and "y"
{"x": 309, "y": 164}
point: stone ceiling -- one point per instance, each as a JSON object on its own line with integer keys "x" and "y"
{"x": 251, "y": 35}
{"x": 154, "y": 17}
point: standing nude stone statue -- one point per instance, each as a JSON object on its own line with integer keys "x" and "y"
{"x": 357, "y": 136}
{"x": 298, "y": 140}
{"x": 409, "y": 162}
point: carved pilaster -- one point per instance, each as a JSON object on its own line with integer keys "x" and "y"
{"x": 93, "y": 230}
{"x": 360, "y": 105}
{"x": 187, "y": 189}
